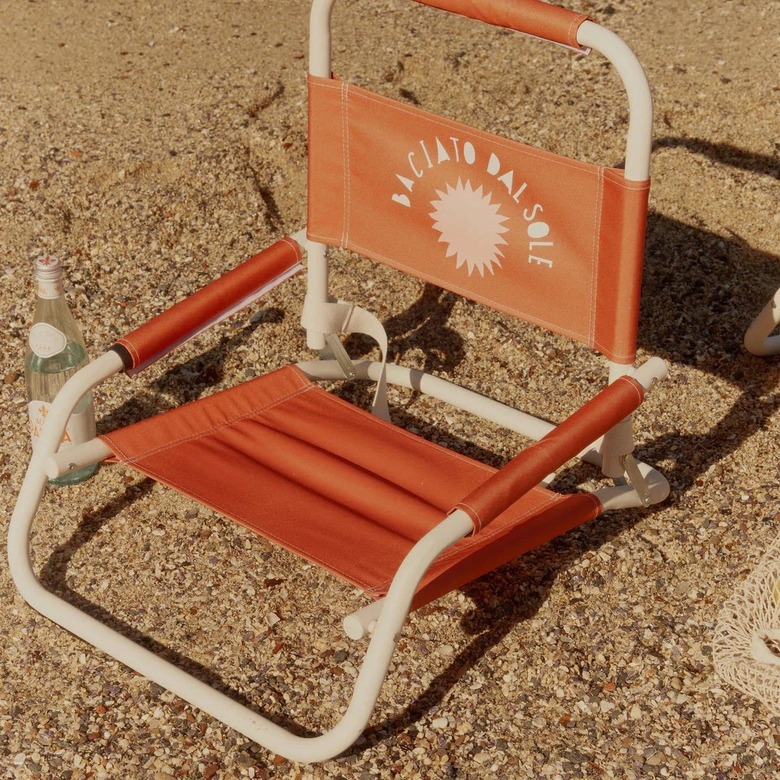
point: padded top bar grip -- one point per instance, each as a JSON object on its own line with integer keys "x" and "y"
{"x": 533, "y": 17}
{"x": 208, "y": 305}
{"x": 547, "y": 455}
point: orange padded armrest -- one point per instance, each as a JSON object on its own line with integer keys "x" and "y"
{"x": 209, "y": 305}
{"x": 533, "y": 17}
{"x": 568, "y": 439}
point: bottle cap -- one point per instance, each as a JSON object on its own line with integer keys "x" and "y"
{"x": 48, "y": 276}
{"x": 48, "y": 268}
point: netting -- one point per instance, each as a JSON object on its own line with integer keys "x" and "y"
{"x": 746, "y": 647}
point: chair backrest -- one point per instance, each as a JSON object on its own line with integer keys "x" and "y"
{"x": 554, "y": 241}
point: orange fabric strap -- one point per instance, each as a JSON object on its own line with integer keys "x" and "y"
{"x": 555, "y": 241}
{"x": 533, "y": 464}
{"x": 533, "y": 17}
{"x": 209, "y": 305}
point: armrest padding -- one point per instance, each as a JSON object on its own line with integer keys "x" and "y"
{"x": 208, "y": 305}
{"x": 529, "y": 467}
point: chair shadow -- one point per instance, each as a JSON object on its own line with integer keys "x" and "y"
{"x": 701, "y": 291}
{"x": 698, "y": 286}
{"x": 727, "y": 154}
{"x": 54, "y": 575}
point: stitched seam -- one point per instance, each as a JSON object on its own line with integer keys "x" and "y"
{"x": 209, "y": 431}
{"x": 633, "y": 384}
{"x": 131, "y": 349}
{"x": 294, "y": 246}
{"x": 345, "y": 159}
{"x": 595, "y": 261}
{"x": 613, "y": 355}
{"x": 571, "y": 33}
{"x": 473, "y": 514}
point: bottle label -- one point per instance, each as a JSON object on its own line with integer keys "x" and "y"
{"x": 49, "y": 288}
{"x": 46, "y": 341}
{"x": 80, "y": 427}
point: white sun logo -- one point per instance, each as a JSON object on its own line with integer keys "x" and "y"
{"x": 470, "y": 225}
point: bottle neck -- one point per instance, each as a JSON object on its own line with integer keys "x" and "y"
{"x": 48, "y": 277}
{"x": 48, "y": 288}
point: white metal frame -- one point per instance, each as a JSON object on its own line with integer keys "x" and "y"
{"x": 383, "y": 619}
{"x": 757, "y": 337}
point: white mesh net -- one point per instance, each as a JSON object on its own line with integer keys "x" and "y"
{"x": 746, "y": 646}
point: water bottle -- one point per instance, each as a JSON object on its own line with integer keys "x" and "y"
{"x": 55, "y": 352}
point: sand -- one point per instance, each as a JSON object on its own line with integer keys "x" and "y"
{"x": 155, "y": 145}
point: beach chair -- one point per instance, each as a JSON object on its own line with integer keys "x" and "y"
{"x": 758, "y": 338}
{"x": 550, "y": 240}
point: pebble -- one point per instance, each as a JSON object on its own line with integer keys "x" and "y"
{"x": 440, "y": 723}
{"x": 655, "y": 759}
{"x": 272, "y": 618}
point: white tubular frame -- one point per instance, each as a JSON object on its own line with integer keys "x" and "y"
{"x": 757, "y": 338}
{"x": 244, "y": 720}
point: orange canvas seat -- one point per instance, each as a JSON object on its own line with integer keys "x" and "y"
{"x": 546, "y": 239}
{"x": 327, "y": 480}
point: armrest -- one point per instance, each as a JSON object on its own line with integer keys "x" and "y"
{"x": 534, "y": 17}
{"x": 566, "y": 440}
{"x": 209, "y": 305}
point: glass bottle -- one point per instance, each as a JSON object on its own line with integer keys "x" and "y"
{"x": 55, "y": 352}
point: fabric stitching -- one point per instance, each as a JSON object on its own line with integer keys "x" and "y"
{"x": 210, "y": 431}
{"x": 345, "y": 158}
{"x": 476, "y": 519}
{"x": 571, "y": 33}
{"x": 294, "y": 245}
{"x": 595, "y": 263}
{"x": 129, "y": 346}
{"x": 507, "y": 143}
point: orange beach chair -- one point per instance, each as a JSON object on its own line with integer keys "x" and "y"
{"x": 476, "y": 214}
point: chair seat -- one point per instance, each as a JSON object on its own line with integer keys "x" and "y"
{"x": 333, "y": 483}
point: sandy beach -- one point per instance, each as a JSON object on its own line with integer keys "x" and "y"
{"x": 153, "y": 146}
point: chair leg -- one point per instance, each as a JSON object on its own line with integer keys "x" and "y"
{"x": 757, "y": 338}
{"x": 195, "y": 691}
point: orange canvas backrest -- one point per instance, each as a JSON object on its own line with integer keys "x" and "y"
{"x": 551, "y": 240}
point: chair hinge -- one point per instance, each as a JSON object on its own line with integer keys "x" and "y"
{"x": 343, "y": 359}
{"x": 635, "y": 477}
